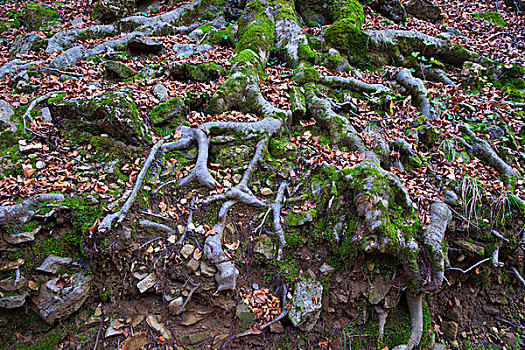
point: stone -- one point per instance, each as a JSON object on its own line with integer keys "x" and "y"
{"x": 425, "y": 10}
{"x": 277, "y": 327}
{"x": 135, "y": 343}
{"x": 24, "y": 44}
{"x": 111, "y": 331}
{"x": 193, "y": 264}
{"x": 190, "y": 318}
{"x": 175, "y": 304}
{"x": 207, "y": 270}
{"x": 471, "y": 247}
{"x": 185, "y": 50}
{"x": 23, "y": 237}
{"x": 6, "y": 111}
{"x": 245, "y": 315}
{"x": 149, "y": 281}
{"x": 24, "y": 148}
{"x": 378, "y": 290}
{"x": 53, "y": 263}
{"x": 326, "y": 269}
{"x": 391, "y": 9}
{"x": 450, "y": 329}
{"x": 264, "y": 246}
{"x": 266, "y": 191}
{"x": 160, "y": 92}
{"x": 195, "y": 338}
{"x": 187, "y": 250}
{"x": 55, "y": 303}
{"x": 495, "y": 132}
{"x": 301, "y": 218}
{"x": 113, "y": 113}
{"x": 40, "y": 165}
{"x": 155, "y": 324}
{"x": 11, "y": 285}
{"x": 306, "y": 304}
{"x": 77, "y": 22}
{"x": 172, "y": 111}
{"x": 13, "y": 301}
{"x": 110, "y": 10}
{"x": 37, "y": 16}
{"x": 118, "y": 71}
{"x": 32, "y": 285}
{"x": 145, "y": 44}
{"x": 11, "y": 265}
{"x": 490, "y": 310}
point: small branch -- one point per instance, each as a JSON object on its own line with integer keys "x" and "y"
{"x": 190, "y": 218}
{"x": 518, "y": 276}
{"x": 470, "y": 268}
{"x": 276, "y": 209}
{"x": 179, "y": 311}
{"x": 98, "y": 334}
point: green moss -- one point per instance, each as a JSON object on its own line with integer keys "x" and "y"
{"x": 37, "y": 16}
{"x": 306, "y": 53}
{"x": 9, "y": 25}
{"x": 255, "y": 28}
{"x": 171, "y": 112}
{"x": 282, "y": 148}
{"x": 350, "y": 40}
{"x": 204, "y": 71}
{"x": 492, "y": 17}
{"x": 307, "y": 75}
{"x": 350, "y": 10}
{"x": 204, "y": 11}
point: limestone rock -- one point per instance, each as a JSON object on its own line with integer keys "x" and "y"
{"x": 471, "y": 247}
{"x": 145, "y": 44}
{"x": 195, "y": 338}
{"x": 175, "y": 304}
{"x": 391, "y": 9}
{"x": 118, "y": 71}
{"x": 113, "y": 113}
{"x": 264, "y": 246}
{"x": 425, "y": 10}
{"x": 37, "y": 16}
{"x": 184, "y": 50}
{"x": 301, "y": 218}
{"x": 243, "y": 312}
{"x": 160, "y": 92}
{"x": 306, "y": 304}
{"x": 6, "y": 111}
{"x": 172, "y": 111}
{"x": 110, "y": 10}
{"x": 53, "y": 263}
{"x": 450, "y": 329}
{"x": 23, "y": 237}
{"x": 378, "y": 290}
{"x": 24, "y": 44}
{"x": 114, "y": 328}
{"x": 13, "y": 301}
{"x": 155, "y": 324}
{"x": 55, "y": 303}
{"x": 11, "y": 285}
{"x": 187, "y": 250}
{"x": 207, "y": 270}
{"x": 191, "y": 318}
{"x": 450, "y": 197}
{"x": 193, "y": 264}
{"x": 67, "y": 59}
{"x": 326, "y": 269}
{"x": 146, "y": 283}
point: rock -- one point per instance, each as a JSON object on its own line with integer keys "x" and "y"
{"x": 77, "y": 22}
{"x": 450, "y": 197}
{"x": 172, "y": 111}
{"x": 207, "y": 270}
{"x": 490, "y": 310}
{"x": 10, "y": 285}
{"x": 425, "y": 10}
{"x": 264, "y": 246}
{"x": 391, "y": 9}
{"x": 24, "y": 237}
{"x": 6, "y": 111}
{"x": 113, "y": 113}
{"x": 160, "y": 92}
{"x": 111, "y": 331}
{"x": 277, "y": 327}
{"x": 195, "y": 338}
{"x": 191, "y": 318}
{"x": 306, "y": 304}
{"x": 53, "y": 263}
{"x": 243, "y": 312}
{"x": 67, "y": 59}
{"x": 154, "y": 322}
{"x": 11, "y": 265}
{"x": 118, "y": 71}
{"x": 326, "y": 269}
{"x": 32, "y": 285}
{"x": 110, "y": 10}
{"x": 377, "y": 290}
{"x": 13, "y": 301}
{"x": 175, "y": 304}
{"x": 185, "y": 50}
{"x": 37, "y": 16}
{"x": 187, "y": 250}
{"x": 135, "y": 343}
{"x": 301, "y": 218}
{"x": 220, "y": 338}
{"x": 54, "y": 303}
{"x": 495, "y": 132}
{"x": 145, "y": 44}
{"x": 24, "y": 44}
{"x": 40, "y": 165}
{"x": 193, "y": 264}
{"x": 455, "y": 313}
{"x": 266, "y": 191}
{"x": 471, "y": 247}
{"x": 450, "y": 329}
{"x": 24, "y": 148}
{"x": 149, "y": 281}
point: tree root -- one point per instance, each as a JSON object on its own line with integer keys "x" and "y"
{"x": 415, "y": 307}
{"x": 276, "y": 211}
{"x": 156, "y": 226}
{"x": 267, "y": 324}
{"x": 179, "y": 311}
{"x": 417, "y": 89}
{"x": 382, "y": 314}
{"x": 16, "y": 66}
{"x": 518, "y": 276}
{"x": 23, "y": 212}
{"x": 200, "y": 172}
{"x": 27, "y": 114}
{"x": 433, "y": 238}
{"x": 107, "y": 222}
{"x": 190, "y": 219}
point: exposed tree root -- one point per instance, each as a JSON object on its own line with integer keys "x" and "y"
{"x": 415, "y": 307}
{"x": 200, "y": 172}
{"x": 276, "y": 211}
{"x": 184, "y": 235}
{"x": 518, "y": 276}
{"x": 27, "y": 114}
{"x": 24, "y": 212}
{"x": 195, "y": 286}
{"x": 417, "y": 89}
{"x": 107, "y": 222}
{"x": 382, "y": 314}
{"x": 156, "y": 226}
{"x": 16, "y": 66}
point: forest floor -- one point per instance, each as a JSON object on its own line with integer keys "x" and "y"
{"x": 160, "y": 244}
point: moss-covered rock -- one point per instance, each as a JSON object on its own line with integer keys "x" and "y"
{"x": 316, "y": 13}
{"x": 110, "y": 10}
{"x": 349, "y": 39}
{"x": 112, "y": 113}
{"x": 391, "y": 9}
{"x": 117, "y": 71}
{"x": 333, "y": 60}
{"x": 170, "y": 112}
{"x": 204, "y": 71}
{"x": 492, "y": 17}
{"x": 8, "y": 25}
{"x": 26, "y": 43}
{"x": 37, "y": 16}
{"x": 281, "y": 148}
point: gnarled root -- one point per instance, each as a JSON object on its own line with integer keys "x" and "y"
{"x": 417, "y": 89}
{"x": 382, "y": 314}
{"x": 200, "y": 172}
{"x": 415, "y": 307}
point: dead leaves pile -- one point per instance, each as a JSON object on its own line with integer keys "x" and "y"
{"x": 265, "y": 305}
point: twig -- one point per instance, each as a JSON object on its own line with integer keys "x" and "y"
{"x": 518, "y": 276}
{"x": 98, "y": 334}
{"x": 179, "y": 311}
{"x": 155, "y": 215}
{"x": 148, "y": 242}
{"x": 190, "y": 218}
{"x": 470, "y": 268}
{"x": 267, "y": 324}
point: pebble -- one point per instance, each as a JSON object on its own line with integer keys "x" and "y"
{"x": 193, "y": 264}
{"x": 266, "y": 191}
{"x": 148, "y": 282}
{"x": 154, "y": 322}
{"x": 187, "y": 250}
{"x": 40, "y": 164}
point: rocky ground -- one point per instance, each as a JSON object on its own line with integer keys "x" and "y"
{"x": 262, "y": 174}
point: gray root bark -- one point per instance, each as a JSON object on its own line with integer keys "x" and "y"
{"x": 433, "y": 238}
{"x": 156, "y": 226}
{"x": 415, "y": 307}
{"x": 417, "y": 90}
{"x": 27, "y": 115}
